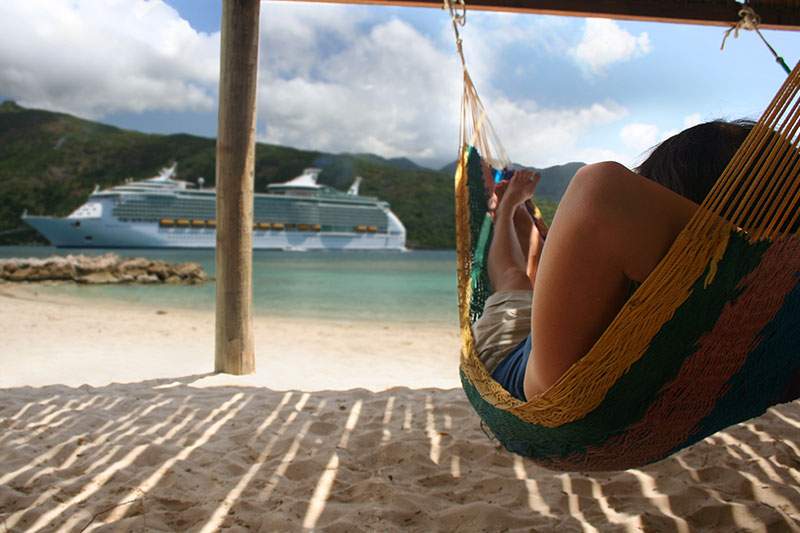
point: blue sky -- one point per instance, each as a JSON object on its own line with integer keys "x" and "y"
{"x": 385, "y": 80}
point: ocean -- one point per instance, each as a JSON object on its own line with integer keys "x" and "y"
{"x": 414, "y": 286}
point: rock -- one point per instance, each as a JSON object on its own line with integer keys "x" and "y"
{"x": 59, "y": 270}
{"x": 98, "y": 278}
{"x": 191, "y": 272}
{"x": 20, "y": 274}
{"x": 134, "y": 263}
{"x": 159, "y": 269}
{"x": 134, "y": 267}
{"x": 147, "y": 278}
{"x": 133, "y": 272}
{"x": 187, "y": 270}
{"x": 108, "y": 268}
{"x": 104, "y": 263}
{"x": 38, "y": 273}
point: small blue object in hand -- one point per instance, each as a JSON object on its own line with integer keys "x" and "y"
{"x": 506, "y": 172}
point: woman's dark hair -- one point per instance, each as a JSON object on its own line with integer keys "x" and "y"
{"x": 689, "y": 162}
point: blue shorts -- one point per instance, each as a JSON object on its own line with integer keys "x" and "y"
{"x": 510, "y": 373}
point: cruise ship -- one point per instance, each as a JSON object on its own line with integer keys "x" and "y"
{"x": 164, "y": 212}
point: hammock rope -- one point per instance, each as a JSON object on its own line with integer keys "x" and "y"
{"x": 749, "y": 20}
{"x": 708, "y": 340}
{"x": 458, "y": 15}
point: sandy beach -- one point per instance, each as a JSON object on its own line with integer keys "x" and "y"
{"x": 112, "y": 421}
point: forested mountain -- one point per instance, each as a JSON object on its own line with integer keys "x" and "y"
{"x": 553, "y": 183}
{"x": 51, "y": 162}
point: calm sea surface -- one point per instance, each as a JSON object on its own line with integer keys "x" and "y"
{"x": 417, "y": 286}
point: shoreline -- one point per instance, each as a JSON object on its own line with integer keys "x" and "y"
{"x": 55, "y": 335}
{"x": 28, "y": 291}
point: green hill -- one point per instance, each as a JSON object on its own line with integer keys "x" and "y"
{"x": 553, "y": 183}
{"x": 51, "y": 162}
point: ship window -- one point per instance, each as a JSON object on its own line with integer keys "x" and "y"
{"x": 77, "y": 224}
{"x": 88, "y": 237}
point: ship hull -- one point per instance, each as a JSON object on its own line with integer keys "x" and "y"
{"x": 103, "y": 233}
{"x": 162, "y": 212}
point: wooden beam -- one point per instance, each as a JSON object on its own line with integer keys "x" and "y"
{"x": 774, "y": 15}
{"x": 234, "y": 351}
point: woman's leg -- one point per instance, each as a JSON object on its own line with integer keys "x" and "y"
{"x": 612, "y": 226}
{"x": 515, "y": 248}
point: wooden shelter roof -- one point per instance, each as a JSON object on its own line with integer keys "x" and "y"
{"x": 775, "y": 14}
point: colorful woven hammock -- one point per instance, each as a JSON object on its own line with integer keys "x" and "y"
{"x": 711, "y": 338}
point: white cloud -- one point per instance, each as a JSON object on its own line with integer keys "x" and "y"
{"x": 639, "y": 136}
{"x": 605, "y": 43}
{"x": 395, "y": 92}
{"x": 93, "y": 57}
{"x": 389, "y": 91}
{"x": 544, "y": 137}
{"x": 295, "y": 36}
{"x": 642, "y": 136}
{"x": 333, "y": 78}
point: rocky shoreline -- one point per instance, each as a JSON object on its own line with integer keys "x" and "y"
{"x": 103, "y": 269}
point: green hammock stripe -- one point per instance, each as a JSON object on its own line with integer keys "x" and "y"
{"x": 765, "y": 375}
{"x": 479, "y": 277}
{"x": 477, "y": 193}
{"x": 480, "y": 232}
{"x": 628, "y": 400}
{"x": 482, "y": 249}
{"x": 720, "y": 356}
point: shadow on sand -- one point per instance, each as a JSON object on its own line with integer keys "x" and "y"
{"x": 163, "y": 455}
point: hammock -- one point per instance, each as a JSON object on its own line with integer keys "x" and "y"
{"x": 710, "y": 339}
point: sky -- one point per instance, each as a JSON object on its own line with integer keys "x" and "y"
{"x": 385, "y": 80}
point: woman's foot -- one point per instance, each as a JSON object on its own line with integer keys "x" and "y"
{"x": 526, "y": 212}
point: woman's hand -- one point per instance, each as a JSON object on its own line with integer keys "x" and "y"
{"x": 520, "y": 188}
{"x": 524, "y": 185}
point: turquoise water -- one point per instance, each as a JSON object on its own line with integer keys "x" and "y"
{"x": 416, "y": 286}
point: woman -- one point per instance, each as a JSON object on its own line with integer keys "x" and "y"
{"x": 612, "y": 228}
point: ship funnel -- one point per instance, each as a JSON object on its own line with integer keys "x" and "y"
{"x": 167, "y": 173}
{"x": 353, "y": 190}
{"x": 308, "y": 179}
{"x": 311, "y": 174}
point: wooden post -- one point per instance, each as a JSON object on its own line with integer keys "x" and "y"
{"x": 234, "y": 352}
